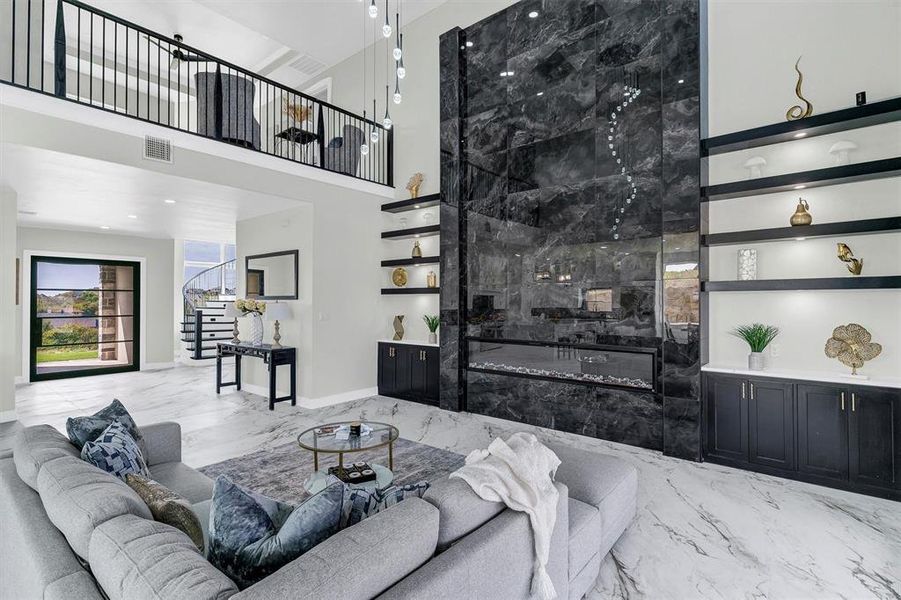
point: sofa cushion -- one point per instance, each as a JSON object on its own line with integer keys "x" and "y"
{"x": 190, "y": 483}
{"x": 137, "y": 559}
{"x": 361, "y": 503}
{"x": 168, "y": 507}
{"x": 584, "y": 533}
{"x": 78, "y": 497}
{"x": 252, "y": 536}
{"x": 461, "y": 509}
{"x": 33, "y": 446}
{"x": 82, "y": 430}
{"x": 116, "y": 452}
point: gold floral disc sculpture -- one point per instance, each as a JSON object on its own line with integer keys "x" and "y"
{"x": 851, "y": 345}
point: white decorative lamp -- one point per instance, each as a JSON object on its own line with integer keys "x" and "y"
{"x": 231, "y": 312}
{"x": 274, "y": 312}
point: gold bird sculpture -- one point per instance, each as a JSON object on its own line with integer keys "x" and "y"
{"x": 855, "y": 265}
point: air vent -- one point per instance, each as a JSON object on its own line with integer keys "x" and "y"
{"x": 307, "y": 65}
{"x": 158, "y": 149}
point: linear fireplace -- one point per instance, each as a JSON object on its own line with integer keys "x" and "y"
{"x": 573, "y": 363}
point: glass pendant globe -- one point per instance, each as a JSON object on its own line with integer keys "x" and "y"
{"x": 374, "y": 136}
{"x": 398, "y": 98}
{"x": 373, "y": 10}
{"x": 386, "y": 30}
{"x": 387, "y": 122}
{"x": 364, "y": 149}
{"x": 401, "y": 72}
{"x": 397, "y": 53}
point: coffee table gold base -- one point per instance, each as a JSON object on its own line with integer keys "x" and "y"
{"x": 341, "y": 458}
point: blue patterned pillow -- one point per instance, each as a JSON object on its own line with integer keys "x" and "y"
{"x": 252, "y": 536}
{"x": 82, "y": 430}
{"x": 362, "y": 503}
{"x": 116, "y": 452}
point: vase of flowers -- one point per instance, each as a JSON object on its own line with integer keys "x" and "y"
{"x": 255, "y": 309}
{"x": 432, "y": 322}
{"x": 758, "y": 338}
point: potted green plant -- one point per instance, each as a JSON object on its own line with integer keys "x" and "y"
{"x": 758, "y": 337}
{"x": 432, "y": 322}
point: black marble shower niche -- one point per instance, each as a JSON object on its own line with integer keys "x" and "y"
{"x": 570, "y": 219}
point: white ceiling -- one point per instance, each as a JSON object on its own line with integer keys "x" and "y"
{"x": 265, "y": 36}
{"x": 65, "y": 191}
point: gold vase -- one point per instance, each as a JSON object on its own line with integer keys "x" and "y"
{"x": 801, "y": 216}
{"x": 398, "y": 328}
{"x": 417, "y": 250}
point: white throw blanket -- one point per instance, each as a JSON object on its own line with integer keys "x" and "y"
{"x": 519, "y": 473}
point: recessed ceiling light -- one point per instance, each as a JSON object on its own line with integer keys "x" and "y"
{"x": 800, "y": 239}
{"x": 167, "y": 201}
{"x": 533, "y": 14}
{"x": 504, "y": 73}
{"x": 132, "y": 216}
{"x": 104, "y": 227}
{"x": 800, "y": 135}
{"x": 540, "y": 94}
{"x": 800, "y": 187}
{"x": 603, "y": 247}
{"x": 510, "y": 73}
{"x": 681, "y": 81}
{"x": 469, "y": 44}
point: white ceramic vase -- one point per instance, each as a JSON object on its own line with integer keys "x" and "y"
{"x": 755, "y": 361}
{"x": 433, "y": 337}
{"x": 256, "y": 329}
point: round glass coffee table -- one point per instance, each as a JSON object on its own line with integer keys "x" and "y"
{"x": 323, "y": 439}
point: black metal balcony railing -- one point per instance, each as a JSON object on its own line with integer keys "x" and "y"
{"x": 75, "y": 52}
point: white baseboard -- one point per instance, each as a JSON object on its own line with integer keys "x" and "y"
{"x": 324, "y": 401}
{"x": 20, "y": 380}
{"x": 158, "y": 366}
{"x": 7, "y": 416}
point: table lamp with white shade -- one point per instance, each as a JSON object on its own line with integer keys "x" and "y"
{"x": 274, "y": 312}
{"x": 231, "y": 312}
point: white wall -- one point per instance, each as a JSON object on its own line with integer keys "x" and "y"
{"x": 847, "y": 47}
{"x": 158, "y": 280}
{"x": 9, "y": 349}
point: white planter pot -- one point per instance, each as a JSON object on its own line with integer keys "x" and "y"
{"x": 755, "y": 361}
{"x": 433, "y": 338}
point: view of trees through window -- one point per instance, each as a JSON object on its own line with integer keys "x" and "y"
{"x": 200, "y": 256}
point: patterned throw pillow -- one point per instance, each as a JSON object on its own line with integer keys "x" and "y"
{"x": 362, "y": 503}
{"x": 82, "y": 430}
{"x": 167, "y": 507}
{"x": 116, "y": 452}
{"x": 252, "y": 536}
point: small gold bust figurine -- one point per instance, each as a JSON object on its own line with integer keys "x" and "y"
{"x": 855, "y": 265}
{"x": 417, "y": 250}
{"x": 414, "y": 184}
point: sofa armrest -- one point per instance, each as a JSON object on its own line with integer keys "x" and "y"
{"x": 590, "y": 476}
{"x": 162, "y": 442}
{"x": 359, "y": 562}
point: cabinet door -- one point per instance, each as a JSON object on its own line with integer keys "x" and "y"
{"x": 403, "y": 385}
{"x": 875, "y": 425}
{"x": 419, "y": 374}
{"x": 823, "y": 430}
{"x": 387, "y": 370}
{"x": 727, "y": 417}
{"x": 771, "y": 423}
{"x": 433, "y": 375}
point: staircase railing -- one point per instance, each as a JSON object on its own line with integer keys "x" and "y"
{"x": 78, "y": 53}
{"x": 209, "y": 284}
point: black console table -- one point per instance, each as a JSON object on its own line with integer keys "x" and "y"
{"x": 272, "y": 356}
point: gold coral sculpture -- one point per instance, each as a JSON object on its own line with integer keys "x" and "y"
{"x": 851, "y": 345}
{"x": 855, "y": 265}
{"x": 797, "y": 112}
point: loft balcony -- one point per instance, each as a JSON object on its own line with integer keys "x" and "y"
{"x": 80, "y": 54}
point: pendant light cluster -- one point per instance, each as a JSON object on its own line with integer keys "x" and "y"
{"x": 396, "y": 55}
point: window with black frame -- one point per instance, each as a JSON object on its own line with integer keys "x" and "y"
{"x": 84, "y": 317}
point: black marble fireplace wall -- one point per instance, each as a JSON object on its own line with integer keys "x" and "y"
{"x": 570, "y": 210}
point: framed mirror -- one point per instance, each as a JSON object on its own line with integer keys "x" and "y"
{"x": 272, "y": 276}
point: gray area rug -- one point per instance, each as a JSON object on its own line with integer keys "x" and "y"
{"x": 281, "y": 471}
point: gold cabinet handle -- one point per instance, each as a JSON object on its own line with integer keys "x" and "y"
{"x": 743, "y": 392}
{"x": 751, "y": 385}
{"x": 843, "y": 400}
{"x": 853, "y": 399}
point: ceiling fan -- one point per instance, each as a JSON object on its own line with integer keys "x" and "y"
{"x": 178, "y": 55}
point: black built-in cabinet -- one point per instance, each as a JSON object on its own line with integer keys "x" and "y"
{"x": 842, "y": 436}
{"x": 409, "y": 372}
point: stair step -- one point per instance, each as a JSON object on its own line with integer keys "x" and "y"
{"x": 209, "y": 330}
{"x": 209, "y": 339}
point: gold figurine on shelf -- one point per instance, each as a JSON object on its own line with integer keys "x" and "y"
{"x": 855, "y": 265}
{"x": 801, "y": 216}
{"x": 414, "y": 184}
{"x": 797, "y": 112}
{"x": 398, "y": 327}
{"x": 417, "y": 250}
{"x": 399, "y": 277}
{"x": 851, "y": 344}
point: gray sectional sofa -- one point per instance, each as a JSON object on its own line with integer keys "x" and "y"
{"x": 68, "y": 530}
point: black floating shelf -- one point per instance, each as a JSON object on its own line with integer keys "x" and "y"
{"x": 403, "y": 262}
{"x": 412, "y": 204}
{"x": 888, "y": 282}
{"x": 789, "y": 233}
{"x": 413, "y": 232}
{"x": 876, "y": 169}
{"x": 398, "y": 291}
{"x": 867, "y": 115}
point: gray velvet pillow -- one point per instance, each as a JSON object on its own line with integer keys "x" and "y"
{"x": 167, "y": 507}
{"x": 82, "y": 430}
{"x": 252, "y": 536}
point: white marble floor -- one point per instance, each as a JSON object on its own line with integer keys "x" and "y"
{"x": 702, "y": 531}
